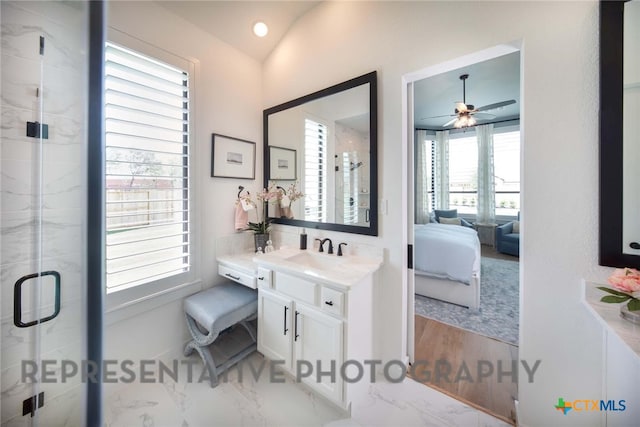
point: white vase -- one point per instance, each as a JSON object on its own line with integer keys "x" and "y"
{"x": 631, "y": 316}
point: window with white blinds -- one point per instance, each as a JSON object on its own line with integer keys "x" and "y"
{"x": 315, "y": 167}
{"x": 147, "y": 169}
{"x": 506, "y": 159}
{"x": 463, "y": 174}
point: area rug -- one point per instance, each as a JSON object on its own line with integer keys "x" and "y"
{"x": 499, "y": 303}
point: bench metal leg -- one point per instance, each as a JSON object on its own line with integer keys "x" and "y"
{"x": 202, "y": 342}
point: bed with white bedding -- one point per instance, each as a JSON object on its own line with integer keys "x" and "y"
{"x": 447, "y": 263}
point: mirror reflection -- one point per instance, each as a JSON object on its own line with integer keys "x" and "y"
{"x": 323, "y": 144}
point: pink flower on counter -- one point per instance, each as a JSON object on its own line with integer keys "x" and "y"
{"x": 626, "y": 280}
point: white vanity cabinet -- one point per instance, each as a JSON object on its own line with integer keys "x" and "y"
{"x": 314, "y": 326}
{"x": 274, "y": 326}
{"x": 621, "y": 359}
{"x": 294, "y": 332}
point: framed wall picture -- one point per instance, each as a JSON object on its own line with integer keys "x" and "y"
{"x": 232, "y": 157}
{"x": 282, "y": 164}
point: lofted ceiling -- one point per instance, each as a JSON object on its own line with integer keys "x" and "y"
{"x": 489, "y": 82}
{"x": 232, "y": 21}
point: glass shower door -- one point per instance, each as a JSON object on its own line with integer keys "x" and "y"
{"x": 43, "y": 212}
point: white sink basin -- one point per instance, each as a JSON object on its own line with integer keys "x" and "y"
{"x": 317, "y": 261}
{"x": 322, "y": 267}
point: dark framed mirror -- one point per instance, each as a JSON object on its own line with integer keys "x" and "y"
{"x": 326, "y": 143}
{"x": 619, "y": 232}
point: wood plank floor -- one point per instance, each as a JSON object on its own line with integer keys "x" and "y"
{"x": 442, "y": 347}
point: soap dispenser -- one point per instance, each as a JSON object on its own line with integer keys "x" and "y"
{"x": 303, "y": 239}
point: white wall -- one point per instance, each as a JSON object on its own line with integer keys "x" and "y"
{"x": 227, "y": 90}
{"x": 339, "y": 40}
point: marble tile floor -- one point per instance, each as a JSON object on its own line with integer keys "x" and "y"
{"x": 263, "y": 403}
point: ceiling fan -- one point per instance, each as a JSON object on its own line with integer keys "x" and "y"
{"x": 466, "y": 114}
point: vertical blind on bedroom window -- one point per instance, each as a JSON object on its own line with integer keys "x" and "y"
{"x": 463, "y": 174}
{"x": 147, "y": 169}
{"x": 315, "y": 167}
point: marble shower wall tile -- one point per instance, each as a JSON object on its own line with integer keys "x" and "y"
{"x": 24, "y": 22}
{"x": 63, "y": 101}
{"x": 61, "y": 234}
{"x": 64, "y": 143}
{"x": 62, "y": 92}
{"x": 56, "y": 413}
{"x": 15, "y": 390}
{"x": 62, "y": 186}
{"x": 56, "y": 334}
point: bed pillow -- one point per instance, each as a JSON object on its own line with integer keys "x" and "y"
{"x": 516, "y": 227}
{"x": 450, "y": 213}
{"x": 452, "y": 221}
{"x": 445, "y": 213}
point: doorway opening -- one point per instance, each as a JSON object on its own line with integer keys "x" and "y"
{"x": 463, "y": 205}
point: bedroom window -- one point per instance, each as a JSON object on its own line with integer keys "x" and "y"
{"x": 463, "y": 174}
{"x": 315, "y": 164}
{"x": 147, "y": 128}
{"x": 506, "y": 158}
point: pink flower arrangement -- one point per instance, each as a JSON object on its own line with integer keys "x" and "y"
{"x": 626, "y": 281}
{"x": 268, "y": 195}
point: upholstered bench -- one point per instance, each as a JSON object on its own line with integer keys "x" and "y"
{"x": 213, "y": 311}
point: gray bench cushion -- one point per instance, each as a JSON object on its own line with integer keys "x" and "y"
{"x": 222, "y": 306}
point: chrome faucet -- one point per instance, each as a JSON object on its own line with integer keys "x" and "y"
{"x": 321, "y": 249}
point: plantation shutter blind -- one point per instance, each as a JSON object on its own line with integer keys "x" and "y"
{"x": 147, "y": 169}
{"x": 315, "y": 167}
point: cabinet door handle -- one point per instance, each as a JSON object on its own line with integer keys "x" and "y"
{"x": 261, "y": 278}
{"x": 329, "y": 303}
{"x": 634, "y": 245}
{"x": 285, "y": 319}
{"x": 295, "y": 327}
{"x": 232, "y": 277}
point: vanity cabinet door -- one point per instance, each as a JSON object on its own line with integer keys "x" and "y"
{"x": 275, "y": 331}
{"x": 318, "y": 340}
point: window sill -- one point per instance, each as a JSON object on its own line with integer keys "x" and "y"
{"x": 150, "y": 302}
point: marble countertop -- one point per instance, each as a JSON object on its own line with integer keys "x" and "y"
{"x": 243, "y": 262}
{"x": 349, "y": 273}
{"x": 609, "y": 315}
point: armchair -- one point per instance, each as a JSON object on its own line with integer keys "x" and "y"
{"x": 508, "y": 239}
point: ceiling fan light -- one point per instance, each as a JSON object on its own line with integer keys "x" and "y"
{"x": 471, "y": 121}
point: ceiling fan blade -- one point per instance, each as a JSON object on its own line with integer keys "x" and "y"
{"x": 450, "y": 122}
{"x": 438, "y": 117}
{"x": 496, "y": 105}
{"x": 484, "y": 116}
{"x": 461, "y": 107}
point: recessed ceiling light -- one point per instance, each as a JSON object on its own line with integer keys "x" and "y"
{"x": 260, "y": 29}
